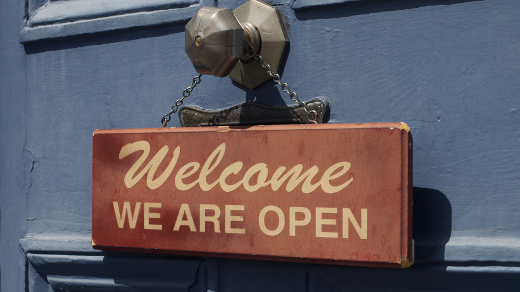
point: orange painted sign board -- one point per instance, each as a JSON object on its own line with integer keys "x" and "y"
{"x": 327, "y": 193}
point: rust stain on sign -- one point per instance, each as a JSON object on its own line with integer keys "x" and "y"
{"x": 329, "y": 193}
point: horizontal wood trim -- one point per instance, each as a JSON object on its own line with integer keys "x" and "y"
{"x": 57, "y": 243}
{"x": 70, "y": 18}
{"x": 470, "y": 248}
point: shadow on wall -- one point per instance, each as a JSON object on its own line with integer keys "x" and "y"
{"x": 432, "y": 218}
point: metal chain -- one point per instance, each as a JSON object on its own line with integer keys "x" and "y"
{"x": 311, "y": 115}
{"x": 187, "y": 92}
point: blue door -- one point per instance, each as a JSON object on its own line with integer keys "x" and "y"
{"x": 450, "y": 69}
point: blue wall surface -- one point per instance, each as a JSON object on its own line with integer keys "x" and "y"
{"x": 449, "y": 69}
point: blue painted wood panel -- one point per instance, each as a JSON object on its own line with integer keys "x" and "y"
{"x": 449, "y": 69}
{"x": 15, "y": 161}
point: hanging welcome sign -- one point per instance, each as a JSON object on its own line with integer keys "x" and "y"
{"x": 329, "y": 193}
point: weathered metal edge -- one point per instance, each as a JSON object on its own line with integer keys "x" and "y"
{"x": 252, "y": 114}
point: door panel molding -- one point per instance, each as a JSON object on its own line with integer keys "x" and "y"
{"x": 58, "y": 19}
{"x": 68, "y": 263}
{"x": 117, "y": 272}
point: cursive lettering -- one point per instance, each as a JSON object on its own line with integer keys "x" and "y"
{"x": 293, "y": 176}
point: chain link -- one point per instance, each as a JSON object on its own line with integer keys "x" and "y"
{"x": 187, "y": 92}
{"x": 311, "y": 115}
